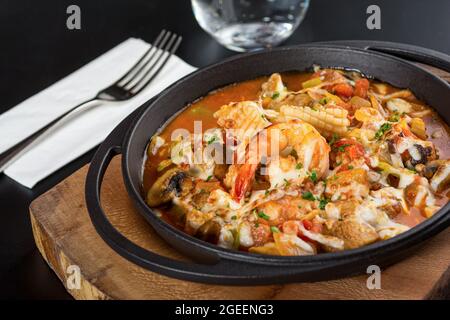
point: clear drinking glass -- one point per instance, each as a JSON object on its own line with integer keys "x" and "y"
{"x": 244, "y": 25}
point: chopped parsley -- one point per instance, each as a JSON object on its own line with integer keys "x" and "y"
{"x": 342, "y": 148}
{"x": 308, "y": 196}
{"x": 350, "y": 167}
{"x": 385, "y": 127}
{"x": 262, "y": 215}
{"x": 212, "y": 140}
{"x": 266, "y": 193}
{"x": 274, "y": 229}
{"x": 275, "y": 95}
{"x": 298, "y": 166}
{"x": 233, "y": 218}
{"x": 395, "y": 117}
{"x": 334, "y": 138}
{"x": 313, "y": 176}
{"x": 322, "y": 204}
{"x": 209, "y": 178}
{"x": 324, "y": 100}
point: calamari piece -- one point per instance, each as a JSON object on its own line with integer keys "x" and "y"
{"x": 329, "y": 241}
{"x": 273, "y": 91}
{"x": 155, "y": 143}
{"x": 398, "y": 105}
{"x": 291, "y": 245}
{"x": 219, "y": 199}
{"x": 326, "y": 120}
{"x": 243, "y": 120}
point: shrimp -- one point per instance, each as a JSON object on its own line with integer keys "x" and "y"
{"x": 296, "y": 149}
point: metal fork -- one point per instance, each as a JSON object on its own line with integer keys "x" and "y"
{"x": 129, "y": 85}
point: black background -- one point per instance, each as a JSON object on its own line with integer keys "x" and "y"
{"x": 37, "y": 50}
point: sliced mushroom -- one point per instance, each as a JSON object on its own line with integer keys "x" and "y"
{"x": 173, "y": 182}
{"x": 430, "y": 168}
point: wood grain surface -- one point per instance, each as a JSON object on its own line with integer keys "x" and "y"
{"x": 65, "y": 236}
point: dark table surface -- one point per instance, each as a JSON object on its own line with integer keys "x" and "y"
{"x": 38, "y": 50}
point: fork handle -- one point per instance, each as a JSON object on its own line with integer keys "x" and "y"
{"x": 9, "y": 156}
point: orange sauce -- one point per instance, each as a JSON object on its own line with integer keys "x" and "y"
{"x": 204, "y": 108}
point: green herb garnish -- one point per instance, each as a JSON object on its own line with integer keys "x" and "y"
{"x": 322, "y": 204}
{"x": 298, "y": 166}
{"x": 275, "y": 95}
{"x": 334, "y": 138}
{"x": 394, "y": 117}
{"x": 209, "y": 178}
{"x": 323, "y": 101}
{"x": 313, "y": 176}
{"x": 262, "y": 215}
{"x": 342, "y": 148}
{"x": 274, "y": 229}
{"x": 212, "y": 140}
{"x": 383, "y": 129}
{"x": 308, "y": 196}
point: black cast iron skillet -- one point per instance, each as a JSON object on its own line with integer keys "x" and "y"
{"x": 220, "y": 266}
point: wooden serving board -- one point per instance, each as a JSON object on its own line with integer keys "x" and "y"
{"x": 65, "y": 236}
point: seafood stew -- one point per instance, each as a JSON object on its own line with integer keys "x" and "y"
{"x": 299, "y": 164}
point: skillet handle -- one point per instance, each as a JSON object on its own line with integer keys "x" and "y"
{"x": 406, "y": 51}
{"x": 224, "y": 271}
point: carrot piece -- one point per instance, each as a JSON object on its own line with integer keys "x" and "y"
{"x": 361, "y": 87}
{"x": 343, "y": 89}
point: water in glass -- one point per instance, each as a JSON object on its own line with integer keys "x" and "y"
{"x": 244, "y": 25}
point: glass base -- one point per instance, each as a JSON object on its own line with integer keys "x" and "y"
{"x": 253, "y": 36}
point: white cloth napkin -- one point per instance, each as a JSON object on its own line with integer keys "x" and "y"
{"x": 86, "y": 130}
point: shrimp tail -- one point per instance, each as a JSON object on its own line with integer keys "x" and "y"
{"x": 243, "y": 181}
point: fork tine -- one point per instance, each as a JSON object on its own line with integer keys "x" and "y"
{"x": 154, "y": 45}
{"x": 155, "y": 55}
{"x": 169, "y": 50}
{"x": 149, "y": 64}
